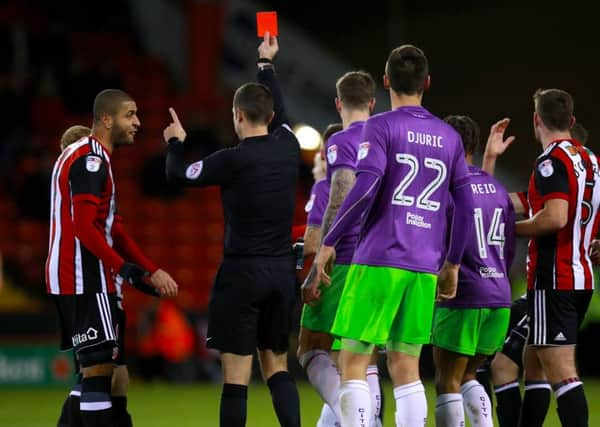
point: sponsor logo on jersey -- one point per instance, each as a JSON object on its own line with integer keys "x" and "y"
{"x": 194, "y": 170}
{"x": 416, "y": 220}
{"x": 309, "y": 205}
{"x": 490, "y": 273}
{"x": 363, "y": 150}
{"x": 92, "y": 163}
{"x": 546, "y": 169}
{"x": 332, "y": 153}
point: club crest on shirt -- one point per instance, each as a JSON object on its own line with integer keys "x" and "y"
{"x": 92, "y": 163}
{"x": 194, "y": 170}
{"x": 363, "y": 150}
{"x": 546, "y": 169}
{"x": 332, "y": 153}
{"x": 309, "y": 205}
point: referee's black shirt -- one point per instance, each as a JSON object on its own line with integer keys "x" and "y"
{"x": 258, "y": 181}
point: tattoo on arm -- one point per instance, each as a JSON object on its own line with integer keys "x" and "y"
{"x": 312, "y": 240}
{"x": 341, "y": 184}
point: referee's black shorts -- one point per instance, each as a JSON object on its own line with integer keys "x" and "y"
{"x": 251, "y": 305}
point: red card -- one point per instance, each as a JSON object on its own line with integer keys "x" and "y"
{"x": 266, "y": 21}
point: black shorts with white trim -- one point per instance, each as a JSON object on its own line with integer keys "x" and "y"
{"x": 555, "y": 315}
{"x": 87, "y": 320}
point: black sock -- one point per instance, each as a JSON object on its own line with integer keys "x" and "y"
{"x": 70, "y": 415}
{"x": 508, "y": 404}
{"x": 285, "y": 399}
{"x": 535, "y": 404}
{"x": 572, "y": 405}
{"x": 483, "y": 377}
{"x": 63, "y": 420}
{"x": 96, "y": 406}
{"x": 233, "y": 405}
{"x": 121, "y": 417}
{"x": 382, "y": 406}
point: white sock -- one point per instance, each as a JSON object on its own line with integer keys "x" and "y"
{"x": 449, "y": 410}
{"x": 355, "y": 402}
{"x": 374, "y": 390}
{"x": 411, "y": 405}
{"x": 477, "y": 404}
{"x": 327, "y": 417}
{"x": 324, "y": 376}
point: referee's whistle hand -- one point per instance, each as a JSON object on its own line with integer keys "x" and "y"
{"x": 164, "y": 283}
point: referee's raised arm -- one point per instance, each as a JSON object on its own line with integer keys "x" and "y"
{"x": 266, "y": 76}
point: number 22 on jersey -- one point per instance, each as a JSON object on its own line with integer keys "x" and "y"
{"x": 423, "y": 200}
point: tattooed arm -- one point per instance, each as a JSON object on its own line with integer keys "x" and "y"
{"x": 342, "y": 181}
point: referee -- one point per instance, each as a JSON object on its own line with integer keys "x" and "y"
{"x": 254, "y": 291}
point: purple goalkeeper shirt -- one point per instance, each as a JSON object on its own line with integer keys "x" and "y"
{"x": 342, "y": 151}
{"x": 419, "y": 160}
{"x": 483, "y": 278}
{"x": 315, "y": 207}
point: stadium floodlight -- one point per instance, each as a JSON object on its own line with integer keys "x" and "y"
{"x": 308, "y": 137}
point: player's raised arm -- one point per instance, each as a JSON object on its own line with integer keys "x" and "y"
{"x": 266, "y": 76}
{"x": 212, "y": 170}
{"x": 496, "y": 146}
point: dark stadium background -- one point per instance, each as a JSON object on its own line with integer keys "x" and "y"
{"x": 486, "y": 61}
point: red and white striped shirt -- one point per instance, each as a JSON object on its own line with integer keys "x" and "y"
{"x": 80, "y": 254}
{"x": 565, "y": 170}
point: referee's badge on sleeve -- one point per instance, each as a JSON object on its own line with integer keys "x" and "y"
{"x": 92, "y": 163}
{"x": 546, "y": 169}
{"x": 194, "y": 170}
{"x": 363, "y": 149}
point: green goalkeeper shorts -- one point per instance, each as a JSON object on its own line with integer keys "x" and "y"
{"x": 383, "y": 305}
{"x": 318, "y": 316}
{"x": 470, "y": 331}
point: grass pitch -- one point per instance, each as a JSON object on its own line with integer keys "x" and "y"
{"x": 197, "y": 405}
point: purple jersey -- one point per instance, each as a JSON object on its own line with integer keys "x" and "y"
{"x": 342, "y": 151}
{"x": 483, "y": 278}
{"x": 419, "y": 160}
{"x": 315, "y": 207}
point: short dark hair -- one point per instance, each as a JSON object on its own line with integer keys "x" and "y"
{"x": 579, "y": 133}
{"x": 108, "y": 102}
{"x": 330, "y": 130}
{"x": 407, "y": 70}
{"x": 356, "y": 89}
{"x": 468, "y": 129}
{"x": 256, "y": 101}
{"x": 73, "y": 134}
{"x": 555, "y": 108}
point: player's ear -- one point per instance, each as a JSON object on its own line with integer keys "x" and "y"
{"x": 386, "y": 82}
{"x": 107, "y": 120}
{"x": 427, "y": 83}
{"x": 271, "y": 117}
{"x": 572, "y": 122}
{"x": 338, "y": 104}
{"x": 372, "y": 104}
